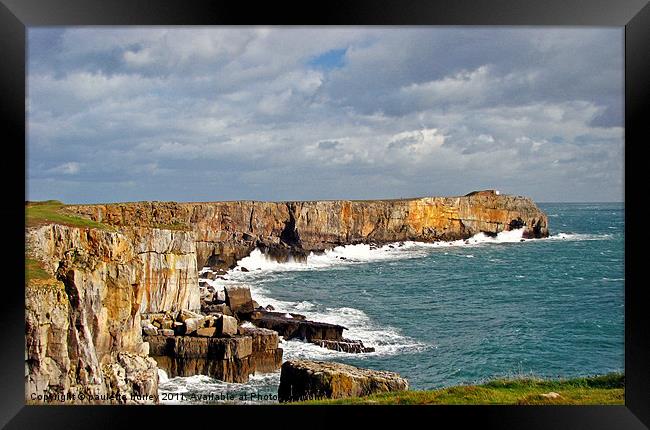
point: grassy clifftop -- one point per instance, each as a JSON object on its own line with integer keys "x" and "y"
{"x": 597, "y": 390}
{"x": 49, "y": 211}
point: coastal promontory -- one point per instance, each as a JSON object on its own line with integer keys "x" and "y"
{"x": 97, "y": 275}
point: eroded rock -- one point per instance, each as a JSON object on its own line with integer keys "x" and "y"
{"x": 303, "y": 380}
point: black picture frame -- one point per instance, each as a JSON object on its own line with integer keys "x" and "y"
{"x": 17, "y": 15}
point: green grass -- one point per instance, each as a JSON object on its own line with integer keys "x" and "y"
{"x": 49, "y": 212}
{"x": 34, "y": 270}
{"x": 597, "y": 390}
{"x": 175, "y": 225}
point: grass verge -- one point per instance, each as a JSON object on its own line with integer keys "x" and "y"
{"x": 597, "y": 390}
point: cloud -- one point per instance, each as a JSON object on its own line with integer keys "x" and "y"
{"x": 271, "y": 113}
{"x": 70, "y": 168}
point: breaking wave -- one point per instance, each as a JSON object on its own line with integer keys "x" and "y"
{"x": 363, "y": 253}
{"x": 579, "y": 236}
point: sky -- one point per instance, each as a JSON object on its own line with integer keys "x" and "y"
{"x": 309, "y": 113}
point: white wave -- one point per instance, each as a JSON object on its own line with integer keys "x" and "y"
{"x": 385, "y": 339}
{"x": 223, "y": 392}
{"x": 162, "y": 376}
{"x": 578, "y": 236}
{"x": 362, "y": 253}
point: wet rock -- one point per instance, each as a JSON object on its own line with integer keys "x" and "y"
{"x": 302, "y": 380}
{"x": 269, "y": 308}
{"x": 243, "y": 269}
{"x": 296, "y": 328}
{"x": 208, "y": 275}
{"x": 344, "y": 345}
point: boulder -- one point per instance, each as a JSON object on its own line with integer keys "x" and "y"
{"x": 206, "y": 331}
{"x": 150, "y": 330}
{"x": 132, "y": 378}
{"x": 227, "y": 326}
{"x": 208, "y": 275}
{"x": 238, "y": 298}
{"x": 166, "y": 332}
{"x": 185, "y": 314}
{"x": 192, "y": 324}
{"x": 210, "y": 321}
{"x": 220, "y": 308}
{"x": 303, "y": 380}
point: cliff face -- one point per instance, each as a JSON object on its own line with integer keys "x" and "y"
{"x": 228, "y": 231}
{"x": 83, "y": 330}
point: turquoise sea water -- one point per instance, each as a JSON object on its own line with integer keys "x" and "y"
{"x": 448, "y": 314}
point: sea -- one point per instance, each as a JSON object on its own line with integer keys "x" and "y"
{"x": 451, "y": 313}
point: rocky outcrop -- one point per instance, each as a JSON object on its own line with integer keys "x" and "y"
{"x": 344, "y": 345}
{"x": 305, "y": 380}
{"x": 228, "y": 231}
{"x": 294, "y": 327}
{"x": 266, "y": 356}
{"x": 226, "y": 359}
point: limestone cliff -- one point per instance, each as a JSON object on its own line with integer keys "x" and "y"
{"x": 228, "y": 231}
{"x": 83, "y": 331}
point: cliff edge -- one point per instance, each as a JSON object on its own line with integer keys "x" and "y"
{"x": 228, "y": 231}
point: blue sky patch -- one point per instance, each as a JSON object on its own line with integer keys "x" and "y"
{"x": 332, "y": 59}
